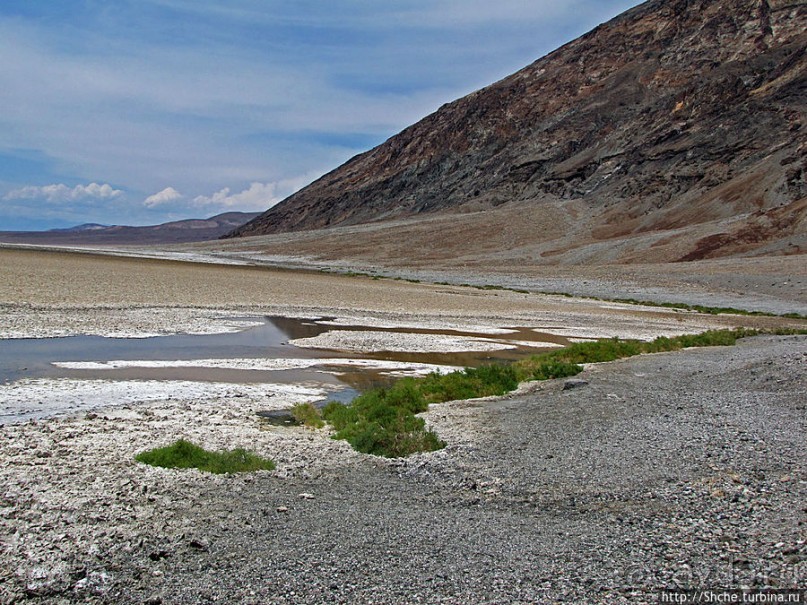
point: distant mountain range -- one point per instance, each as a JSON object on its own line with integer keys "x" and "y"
{"x": 674, "y": 132}
{"x": 93, "y": 234}
{"x": 84, "y": 227}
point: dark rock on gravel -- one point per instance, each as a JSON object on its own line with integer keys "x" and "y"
{"x": 574, "y": 383}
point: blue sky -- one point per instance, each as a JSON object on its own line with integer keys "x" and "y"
{"x": 143, "y": 111}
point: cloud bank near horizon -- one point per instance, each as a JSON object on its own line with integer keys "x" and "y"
{"x": 60, "y": 192}
{"x": 173, "y": 107}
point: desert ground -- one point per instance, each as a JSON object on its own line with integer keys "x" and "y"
{"x": 673, "y": 470}
{"x": 509, "y": 249}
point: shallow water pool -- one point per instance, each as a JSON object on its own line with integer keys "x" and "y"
{"x": 256, "y": 356}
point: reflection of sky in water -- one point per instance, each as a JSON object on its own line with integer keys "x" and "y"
{"x": 34, "y": 358}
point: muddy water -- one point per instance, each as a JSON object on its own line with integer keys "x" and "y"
{"x": 34, "y": 358}
{"x": 20, "y": 358}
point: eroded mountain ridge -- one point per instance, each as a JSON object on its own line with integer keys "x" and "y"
{"x": 676, "y": 114}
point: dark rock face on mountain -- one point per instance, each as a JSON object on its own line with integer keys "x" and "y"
{"x": 676, "y": 113}
{"x": 91, "y": 234}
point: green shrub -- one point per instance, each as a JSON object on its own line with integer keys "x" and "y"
{"x": 661, "y": 344}
{"x": 484, "y": 381}
{"x": 714, "y": 338}
{"x": 398, "y": 434}
{"x": 307, "y": 415}
{"x": 339, "y": 415}
{"x": 373, "y": 425}
{"x": 184, "y": 454}
{"x": 604, "y": 349}
{"x": 407, "y": 394}
{"x": 547, "y": 370}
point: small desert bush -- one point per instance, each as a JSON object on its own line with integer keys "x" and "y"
{"x": 470, "y": 383}
{"x": 604, "y": 349}
{"x": 307, "y": 415}
{"x": 713, "y": 338}
{"x": 610, "y": 349}
{"x": 383, "y": 422}
{"x": 387, "y": 431}
{"x": 184, "y": 454}
{"x": 546, "y": 369}
{"x": 339, "y": 415}
{"x": 405, "y": 393}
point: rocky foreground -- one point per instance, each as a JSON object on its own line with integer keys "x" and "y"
{"x": 682, "y": 469}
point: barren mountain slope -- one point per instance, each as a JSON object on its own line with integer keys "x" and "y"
{"x": 677, "y": 127}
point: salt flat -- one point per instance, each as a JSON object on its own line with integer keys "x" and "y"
{"x": 58, "y": 293}
{"x": 661, "y": 459}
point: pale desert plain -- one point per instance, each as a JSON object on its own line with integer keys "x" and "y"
{"x": 670, "y": 470}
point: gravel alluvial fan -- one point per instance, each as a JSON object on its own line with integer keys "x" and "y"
{"x": 676, "y": 115}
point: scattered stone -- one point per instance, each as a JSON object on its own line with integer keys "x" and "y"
{"x": 573, "y": 383}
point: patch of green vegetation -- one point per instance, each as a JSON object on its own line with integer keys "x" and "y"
{"x": 383, "y": 421}
{"x": 610, "y": 349}
{"x": 683, "y": 306}
{"x": 502, "y": 288}
{"x": 307, "y": 415}
{"x": 184, "y": 454}
{"x": 697, "y": 308}
{"x": 546, "y": 369}
{"x": 484, "y": 381}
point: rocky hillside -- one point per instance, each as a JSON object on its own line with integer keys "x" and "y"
{"x": 91, "y": 234}
{"x": 678, "y": 113}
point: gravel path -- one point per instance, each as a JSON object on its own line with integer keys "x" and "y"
{"x": 683, "y": 469}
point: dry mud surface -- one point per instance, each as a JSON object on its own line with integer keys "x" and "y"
{"x": 683, "y": 469}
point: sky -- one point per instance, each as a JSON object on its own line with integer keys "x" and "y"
{"x": 144, "y": 111}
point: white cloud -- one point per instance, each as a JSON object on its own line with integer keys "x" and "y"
{"x": 259, "y": 196}
{"x": 60, "y": 192}
{"x": 166, "y": 196}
